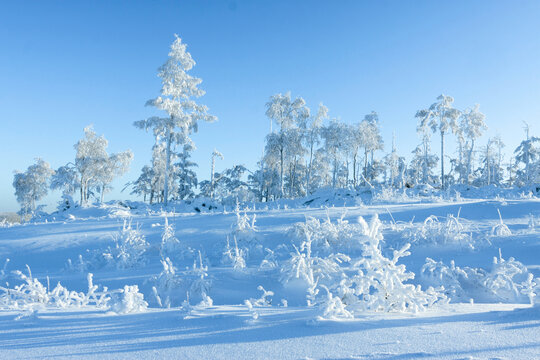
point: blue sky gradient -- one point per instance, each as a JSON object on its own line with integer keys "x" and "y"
{"x": 64, "y": 65}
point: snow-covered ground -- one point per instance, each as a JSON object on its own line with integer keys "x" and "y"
{"x": 486, "y": 315}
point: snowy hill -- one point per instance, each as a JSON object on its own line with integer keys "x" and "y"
{"x": 223, "y": 284}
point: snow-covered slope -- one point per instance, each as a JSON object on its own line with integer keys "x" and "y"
{"x": 205, "y": 301}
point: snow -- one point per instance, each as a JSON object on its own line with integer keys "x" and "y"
{"x": 186, "y": 299}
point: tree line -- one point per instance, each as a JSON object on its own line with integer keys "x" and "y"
{"x": 304, "y": 151}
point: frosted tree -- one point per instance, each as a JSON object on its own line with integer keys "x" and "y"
{"x": 442, "y": 117}
{"x": 228, "y": 185}
{"x": 395, "y": 166}
{"x": 333, "y": 136}
{"x": 488, "y": 159}
{"x": 322, "y": 169}
{"x": 312, "y": 139}
{"x": 96, "y": 169}
{"x": 371, "y": 139}
{"x": 163, "y": 175}
{"x": 527, "y": 156}
{"x": 187, "y": 178}
{"x": 66, "y": 179}
{"x": 144, "y": 183}
{"x": 114, "y": 166}
{"x": 471, "y": 127}
{"x": 178, "y": 91}
{"x": 287, "y": 114}
{"x": 295, "y": 174}
{"x": 355, "y": 141}
{"x": 215, "y": 154}
{"x": 423, "y": 161}
{"x": 497, "y": 169}
{"x": 32, "y": 185}
{"x": 91, "y": 154}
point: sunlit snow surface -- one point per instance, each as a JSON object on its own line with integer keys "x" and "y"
{"x": 227, "y": 330}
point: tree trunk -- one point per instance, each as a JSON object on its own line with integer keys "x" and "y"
{"x": 281, "y": 172}
{"x": 442, "y": 160}
{"x": 365, "y": 166}
{"x": 354, "y": 168}
{"x": 469, "y": 161}
{"x": 167, "y": 165}
{"x": 308, "y": 188}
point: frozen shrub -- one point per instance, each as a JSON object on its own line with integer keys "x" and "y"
{"x": 450, "y": 232}
{"x": 235, "y": 256}
{"x": 270, "y": 262}
{"x": 5, "y": 223}
{"x": 170, "y": 245}
{"x": 458, "y": 282}
{"x": 311, "y": 269}
{"x": 264, "y": 300}
{"x": 333, "y": 307}
{"x": 500, "y": 229}
{"x": 200, "y": 286}
{"x": 33, "y": 293}
{"x": 327, "y": 237}
{"x": 260, "y": 302}
{"x": 130, "y": 247}
{"x": 508, "y": 281}
{"x": 373, "y": 282}
{"x": 166, "y": 283}
{"x": 128, "y": 300}
{"x": 378, "y": 284}
{"x": 390, "y": 195}
{"x": 531, "y": 289}
{"x": 245, "y": 233}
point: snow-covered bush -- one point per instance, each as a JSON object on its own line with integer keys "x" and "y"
{"x": 459, "y": 283}
{"x": 311, "y": 269}
{"x": 245, "y": 233}
{"x": 32, "y": 293}
{"x": 450, "y": 232}
{"x": 166, "y": 283}
{"x": 388, "y": 194}
{"x": 325, "y": 236}
{"x": 269, "y": 262}
{"x": 333, "y": 308}
{"x": 128, "y": 300}
{"x": 264, "y": 299}
{"x": 235, "y": 256}
{"x": 170, "y": 245}
{"x": 371, "y": 282}
{"x": 500, "y": 229}
{"x": 5, "y": 223}
{"x": 508, "y": 281}
{"x": 379, "y": 282}
{"x": 200, "y": 286}
{"x": 130, "y": 247}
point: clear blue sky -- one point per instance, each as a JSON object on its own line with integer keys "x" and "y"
{"x": 67, "y": 64}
